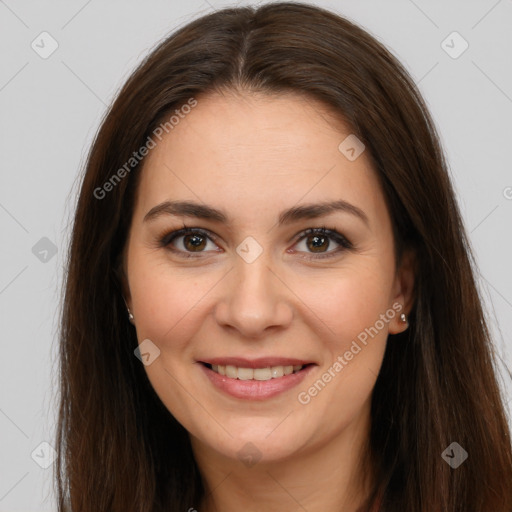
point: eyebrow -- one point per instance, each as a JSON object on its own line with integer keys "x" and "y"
{"x": 296, "y": 213}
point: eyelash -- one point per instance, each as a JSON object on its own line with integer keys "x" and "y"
{"x": 166, "y": 239}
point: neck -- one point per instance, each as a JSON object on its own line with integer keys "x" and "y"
{"x": 331, "y": 476}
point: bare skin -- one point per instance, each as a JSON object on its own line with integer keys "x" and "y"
{"x": 254, "y": 157}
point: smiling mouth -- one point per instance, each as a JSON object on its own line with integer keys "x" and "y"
{"x": 262, "y": 374}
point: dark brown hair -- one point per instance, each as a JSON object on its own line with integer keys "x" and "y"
{"x": 119, "y": 448}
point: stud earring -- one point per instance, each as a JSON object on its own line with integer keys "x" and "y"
{"x": 130, "y": 316}
{"x": 403, "y": 318}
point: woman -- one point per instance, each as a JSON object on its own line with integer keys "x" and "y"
{"x": 270, "y": 298}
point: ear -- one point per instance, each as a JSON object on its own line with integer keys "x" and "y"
{"x": 122, "y": 280}
{"x": 403, "y": 291}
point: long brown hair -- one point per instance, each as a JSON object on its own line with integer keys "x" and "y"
{"x": 119, "y": 448}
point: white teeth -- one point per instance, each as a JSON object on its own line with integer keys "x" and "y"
{"x": 277, "y": 371}
{"x": 267, "y": 373}
{"x": 260, "y": 373}
{"x": 245, "y": 373}
{"x": 231, "y": 371}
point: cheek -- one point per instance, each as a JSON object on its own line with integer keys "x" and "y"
{"x": 351, "y": 302}
{"x": 357, "y": 311}
{"x": 168, "y": 304}
{"x": 169, "y": 312}
{"x": 353, "y": 307}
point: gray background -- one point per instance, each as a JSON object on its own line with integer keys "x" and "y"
{"x": 50, "y": 109}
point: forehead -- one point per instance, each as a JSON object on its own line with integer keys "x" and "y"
{"x": 257, "y": 152}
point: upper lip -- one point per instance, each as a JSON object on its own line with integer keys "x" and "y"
{"x": 260, "y": 362}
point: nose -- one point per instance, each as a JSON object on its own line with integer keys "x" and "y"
{"x": 254, "y": 301}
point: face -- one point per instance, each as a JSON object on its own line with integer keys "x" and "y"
{"x": 267, "y": 282}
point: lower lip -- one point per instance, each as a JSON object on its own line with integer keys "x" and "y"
{"x": 255, "y": 389}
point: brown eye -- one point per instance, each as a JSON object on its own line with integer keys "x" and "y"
{"x": 194, "y": 242}
{"x": 317, "y": 243}
{"x": 186, "y": 241}
{"x": 320, "y": 243}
